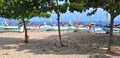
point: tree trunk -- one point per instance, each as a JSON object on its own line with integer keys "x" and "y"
{"x": 58, "y": 19}
{"x": 59, "y": 32}
{"x": 111, "y": 34}
{"x": 25, "y": 29}
{"x": 110, "y": 46}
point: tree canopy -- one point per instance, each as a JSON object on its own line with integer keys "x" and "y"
{"x": 83, "y": 5}
{"x": 28, "y": 8}
{"x": 25, "y": 9}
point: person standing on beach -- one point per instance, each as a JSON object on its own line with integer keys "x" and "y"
{"x": 92, "y": 26}
{"x": 21, "y": 27}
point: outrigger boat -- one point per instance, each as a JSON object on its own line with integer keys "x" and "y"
{"x": 107, "y": 29}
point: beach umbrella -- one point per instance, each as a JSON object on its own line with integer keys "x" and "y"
{"x": 77, "y": 19}
{"x": 71, "y": 24}
{"x": 106, "y": 19}
{"x": 76, "y": 23}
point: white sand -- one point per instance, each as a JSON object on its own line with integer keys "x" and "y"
{"x": 45, "y": 44}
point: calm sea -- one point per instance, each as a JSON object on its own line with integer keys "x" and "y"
{"x": 15, "y": 22}
{"x": 82, "y": 22}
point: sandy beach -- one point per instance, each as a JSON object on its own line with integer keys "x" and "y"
{"x": 45, "y": 44}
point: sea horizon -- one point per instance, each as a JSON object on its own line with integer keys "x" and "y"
{"x": 16, "y": 22}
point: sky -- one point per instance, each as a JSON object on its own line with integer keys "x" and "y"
{"x": 100, "y": 15}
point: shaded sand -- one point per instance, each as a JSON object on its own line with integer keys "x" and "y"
{"x": 45, "y": 44}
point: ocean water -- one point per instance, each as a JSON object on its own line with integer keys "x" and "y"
{"x": 16, "y": 22}
{"x": 97, "y": 28}
{"x": 81, "y": 22}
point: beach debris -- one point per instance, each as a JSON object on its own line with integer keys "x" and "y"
{"x": 116, "y": 49}
{"x": 15, "y": 47}
{"x": 44, "y": 50}
{"x": 82, "y": 38}
{"x": 55, "y": 44}
{"x": 94, "y": 56}
{"x": 5, "y": 54}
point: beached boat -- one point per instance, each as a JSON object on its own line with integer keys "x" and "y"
{"x": 81, "y": 30}
{"x": 107, "y": 29}
{"x": 61, "y": 28}
{"x": 16, "y": 28}
{"x": 54, "y": 28}
{"x": 10, "y": 28}
{"x": 46, "y": 27}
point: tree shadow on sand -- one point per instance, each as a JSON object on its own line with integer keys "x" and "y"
{"x": 75, "y": 43}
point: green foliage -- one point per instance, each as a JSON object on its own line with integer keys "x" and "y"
{"x": 61, "y": 0}
{"x": 92, "y": 12}
{"x": 27, "y": 8}
{"x": 1, "y": 1}
{"x": 63, "y": 7}
{"x": 83, "y": 5}
{"x": 46, "y": 15}
{"x": 117, "y": 7}
{"x": 76, "y": 7}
